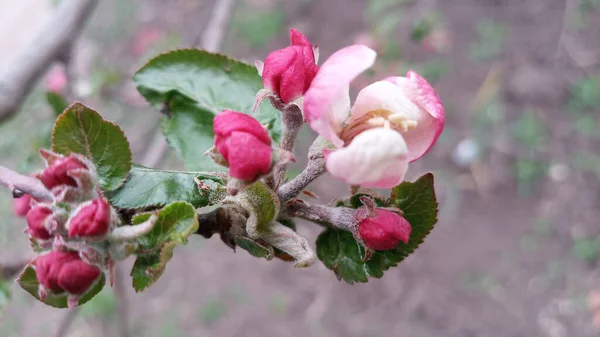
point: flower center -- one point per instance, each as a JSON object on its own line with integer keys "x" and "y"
{"x": 387, "y": 119}
{"x": 377, "y": 119}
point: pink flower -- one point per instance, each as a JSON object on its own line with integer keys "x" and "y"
{"x": 39, "y": 221}
{"x": 384, "y": 230}
{"x": 244, "y": 143}
{"x": 60, "y": 271}
{"x": 288, "y": 72}
{"x": 404, "y": 117}
{"x": 22, "y": 205}
{"x": 91, "y": 220}
{"x": 59, "y": 172}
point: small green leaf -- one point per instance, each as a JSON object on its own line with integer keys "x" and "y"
{"x": 191, "y": 86}
{"x": 340, "y": 252}
{"x": 28, "y": 281}
{"x": 82, "y": 130}
{"x": 148, "y": 187}
{"x": 355, "y": 202}
{"x": 255, "y": 249}
{"x": 175, "y": 223}
{"x": 57, "y": 102}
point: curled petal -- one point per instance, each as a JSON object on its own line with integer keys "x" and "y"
{"x": 383, "y": 95}
{"x": 376, "y": 158}
{"x": 247, "y": 155}
{"x": 431, "y": 123}
{"x": 229, "y": 121}
{"x": 327, "y": 101}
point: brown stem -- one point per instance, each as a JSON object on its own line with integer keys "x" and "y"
{"x": 337, "y": 217}
{"x": 292, "y": 121}
{"x": 314, "y": 169}
{"x": 16, "y": 182}
{"x": 12, "y": 270}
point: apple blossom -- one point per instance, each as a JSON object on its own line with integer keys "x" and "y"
{"x": 39, "y": 222}
{"x": 384, "y": 230}
{"x": 404, "y": 117}
{"x": 244, "y": 144}
{"x": 60, "y": 271}
{"x": 288, "y": 72}
{"x": 91, "y": 220}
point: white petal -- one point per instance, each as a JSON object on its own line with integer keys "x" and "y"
{"x": 375, "y": 158}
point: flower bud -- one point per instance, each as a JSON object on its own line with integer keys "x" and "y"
{"x": 244, "y": 144}
{"x": 91, "y": 220}
{"x": 384, "y": 229}
{"x": 58, "y": 172}
{"x": 288, "y": 72}
{"x": 60, "y": 272}
{"x": 22, "y": 205}
{"x": 40, "y": 222}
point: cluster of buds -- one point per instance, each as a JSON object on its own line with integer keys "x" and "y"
{"x": 77, "y": 234}
{"x": 370, "y": 144}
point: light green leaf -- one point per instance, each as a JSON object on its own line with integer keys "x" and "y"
{"x": 255, "y": 249}
{"x": 175, "y": 223}
{"x": 147, "y": 187}
{"x": 28, "y": 281}
{"x": 191, "y": 86}
{"x": 82, "y": 130}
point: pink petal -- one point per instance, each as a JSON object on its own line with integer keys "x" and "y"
{"x": 248, "y": 156}
{"x": 327, "y": 101}
{"x": 422, "y": 138}
{"x": 298, "y": 39}
{"x": 383, "y": 95}
{"x": 376, "y": 158}
{"x": 229, "y": 121}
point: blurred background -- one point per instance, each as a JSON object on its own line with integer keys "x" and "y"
{"x": 517, "y": 169}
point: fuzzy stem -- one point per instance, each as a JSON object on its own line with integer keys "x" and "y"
{"x": 314, "y": 169}
{"x": 338, "y": 217}
{"x": 292, "y": 121}
{"x": 16, "y": 181}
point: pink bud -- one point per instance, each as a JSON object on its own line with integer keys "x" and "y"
{"x": 244, "y": 143}
{"x": 22, "y": 205}
{"x": 37, "y": 220}
{"x": 57, "y": 80}
{"x": 384, "y": 230}
{"x": 288, "y": 72}
{"x": 91, "y": 220}
{"x": 57, "y": 173}
{"x": 60, "y": 271}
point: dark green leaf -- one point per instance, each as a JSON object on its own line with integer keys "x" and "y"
{"x": 147, "y": 187}
{"x": 82, "y": 130}
{"x": 255, "y": 249}
{"x": 57, "y": 102}
{"x": 340, "y": 252}
{"x": 29, "y": 282}
{"x": 355, "y": 202}
{"x": 191, "y": 86}
{"x": 175, "y": 223}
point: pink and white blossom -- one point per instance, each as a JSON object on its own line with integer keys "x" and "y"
{"x": 392, "y": 122}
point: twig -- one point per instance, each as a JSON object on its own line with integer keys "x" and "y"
{"x": 66, "y": 322}
{"x": 29, "y": 64}
{"x": 315, "y": 168}
{"x": 17, "y": 182}
{"x": 11, "y": 270}
{"x": 210, "y": 41}
{"x": 291, "y": 121}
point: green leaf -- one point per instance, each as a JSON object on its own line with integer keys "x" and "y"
{"x": 28, "y": 281}
{"x": 340, "y": 252}
{"x": 82, "y": 130}
{"x": 57, "y": 102}
{"x": 148, "y": 187}
{"x": 175, "y": 223}
{"x": 255, "y": 249}
{"x": 191, "y": 86}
